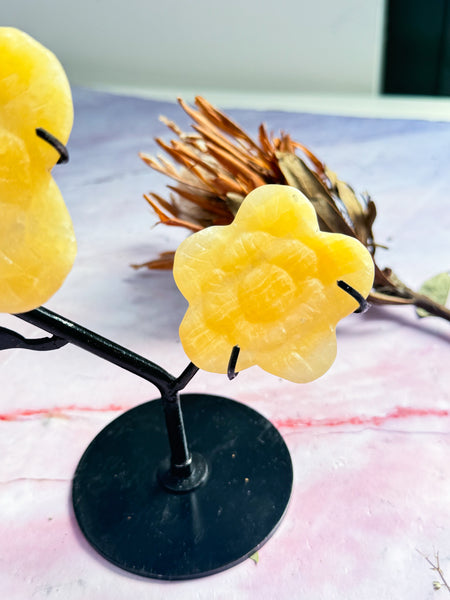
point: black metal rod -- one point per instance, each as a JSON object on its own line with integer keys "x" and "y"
{"x": 182, "y": 380}
{"x": 167, "y": 384}
{"x": 100, "y": 346}
{"x": 12, "y": 339}
{"x": 55, "y": 143}
{"x": 180, "y": 457}
{"x": 231, "y": 370}
{"x": 363, "y": 304}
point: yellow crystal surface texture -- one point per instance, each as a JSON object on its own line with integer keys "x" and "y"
{"x": 268, "y": 283}
{"x": 37, "y": 242}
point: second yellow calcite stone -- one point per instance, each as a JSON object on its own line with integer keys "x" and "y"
{"x": 268, "y": 283}
{"x": 37, "y": 242}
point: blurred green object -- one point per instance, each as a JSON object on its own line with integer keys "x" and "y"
{"x": 437, "y": 288}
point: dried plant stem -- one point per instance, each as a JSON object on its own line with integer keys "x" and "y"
{"x": 389, "y": 289}
{"x": 412, "y": 298}
{"x": 435, "y": 566}
{"x": 434, "y": 308}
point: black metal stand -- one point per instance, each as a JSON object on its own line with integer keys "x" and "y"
{"x": 133, "y": 518}
{"x": 153, "y": 505}
{"x": 147, "y": 501}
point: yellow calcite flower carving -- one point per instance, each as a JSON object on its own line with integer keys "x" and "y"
{"x": 37, "y": 242}
{"x": 268, "y": 283}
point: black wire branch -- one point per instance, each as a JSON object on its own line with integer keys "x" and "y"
{"x": 12, "y": 339}
{"x": 182, "y": 466}
{"x": 100, "y": 346}
{"x": 182, "y": 380}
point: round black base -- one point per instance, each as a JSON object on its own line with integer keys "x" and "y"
{"x": 130, "y": 518}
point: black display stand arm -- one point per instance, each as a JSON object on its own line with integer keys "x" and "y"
{"x": 92, "y": 342}
{"x": 184, "y": 473}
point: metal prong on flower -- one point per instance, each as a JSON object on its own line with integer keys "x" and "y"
{"x": 363, "y": 304}
{"x": 231, "y": 371}
{"x": 55, "y": 143}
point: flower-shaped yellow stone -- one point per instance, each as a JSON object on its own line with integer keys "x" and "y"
{"x": 37, "y": 243}
{"x": 268, "y": 283}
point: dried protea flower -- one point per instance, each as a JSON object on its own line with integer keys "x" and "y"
{"x": 219, "y": 164}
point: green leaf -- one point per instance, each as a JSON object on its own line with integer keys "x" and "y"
{"x": 255, "y": 558}
{"x": 437, "y": 288}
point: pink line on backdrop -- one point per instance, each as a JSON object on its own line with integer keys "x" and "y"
{"x": 398, "y": 412}
{"x": 21, "y": 414}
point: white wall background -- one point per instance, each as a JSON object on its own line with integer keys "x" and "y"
{"x": 293, "y": 46}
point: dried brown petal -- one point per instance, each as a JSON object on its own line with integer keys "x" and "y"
{"x": 298, "y": 175}
{"x": 167, "y": 220}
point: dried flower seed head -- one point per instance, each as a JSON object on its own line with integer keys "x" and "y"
{"x": 217, "y": 166}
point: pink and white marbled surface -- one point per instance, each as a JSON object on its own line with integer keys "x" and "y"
{"x": 369, "y": 440}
